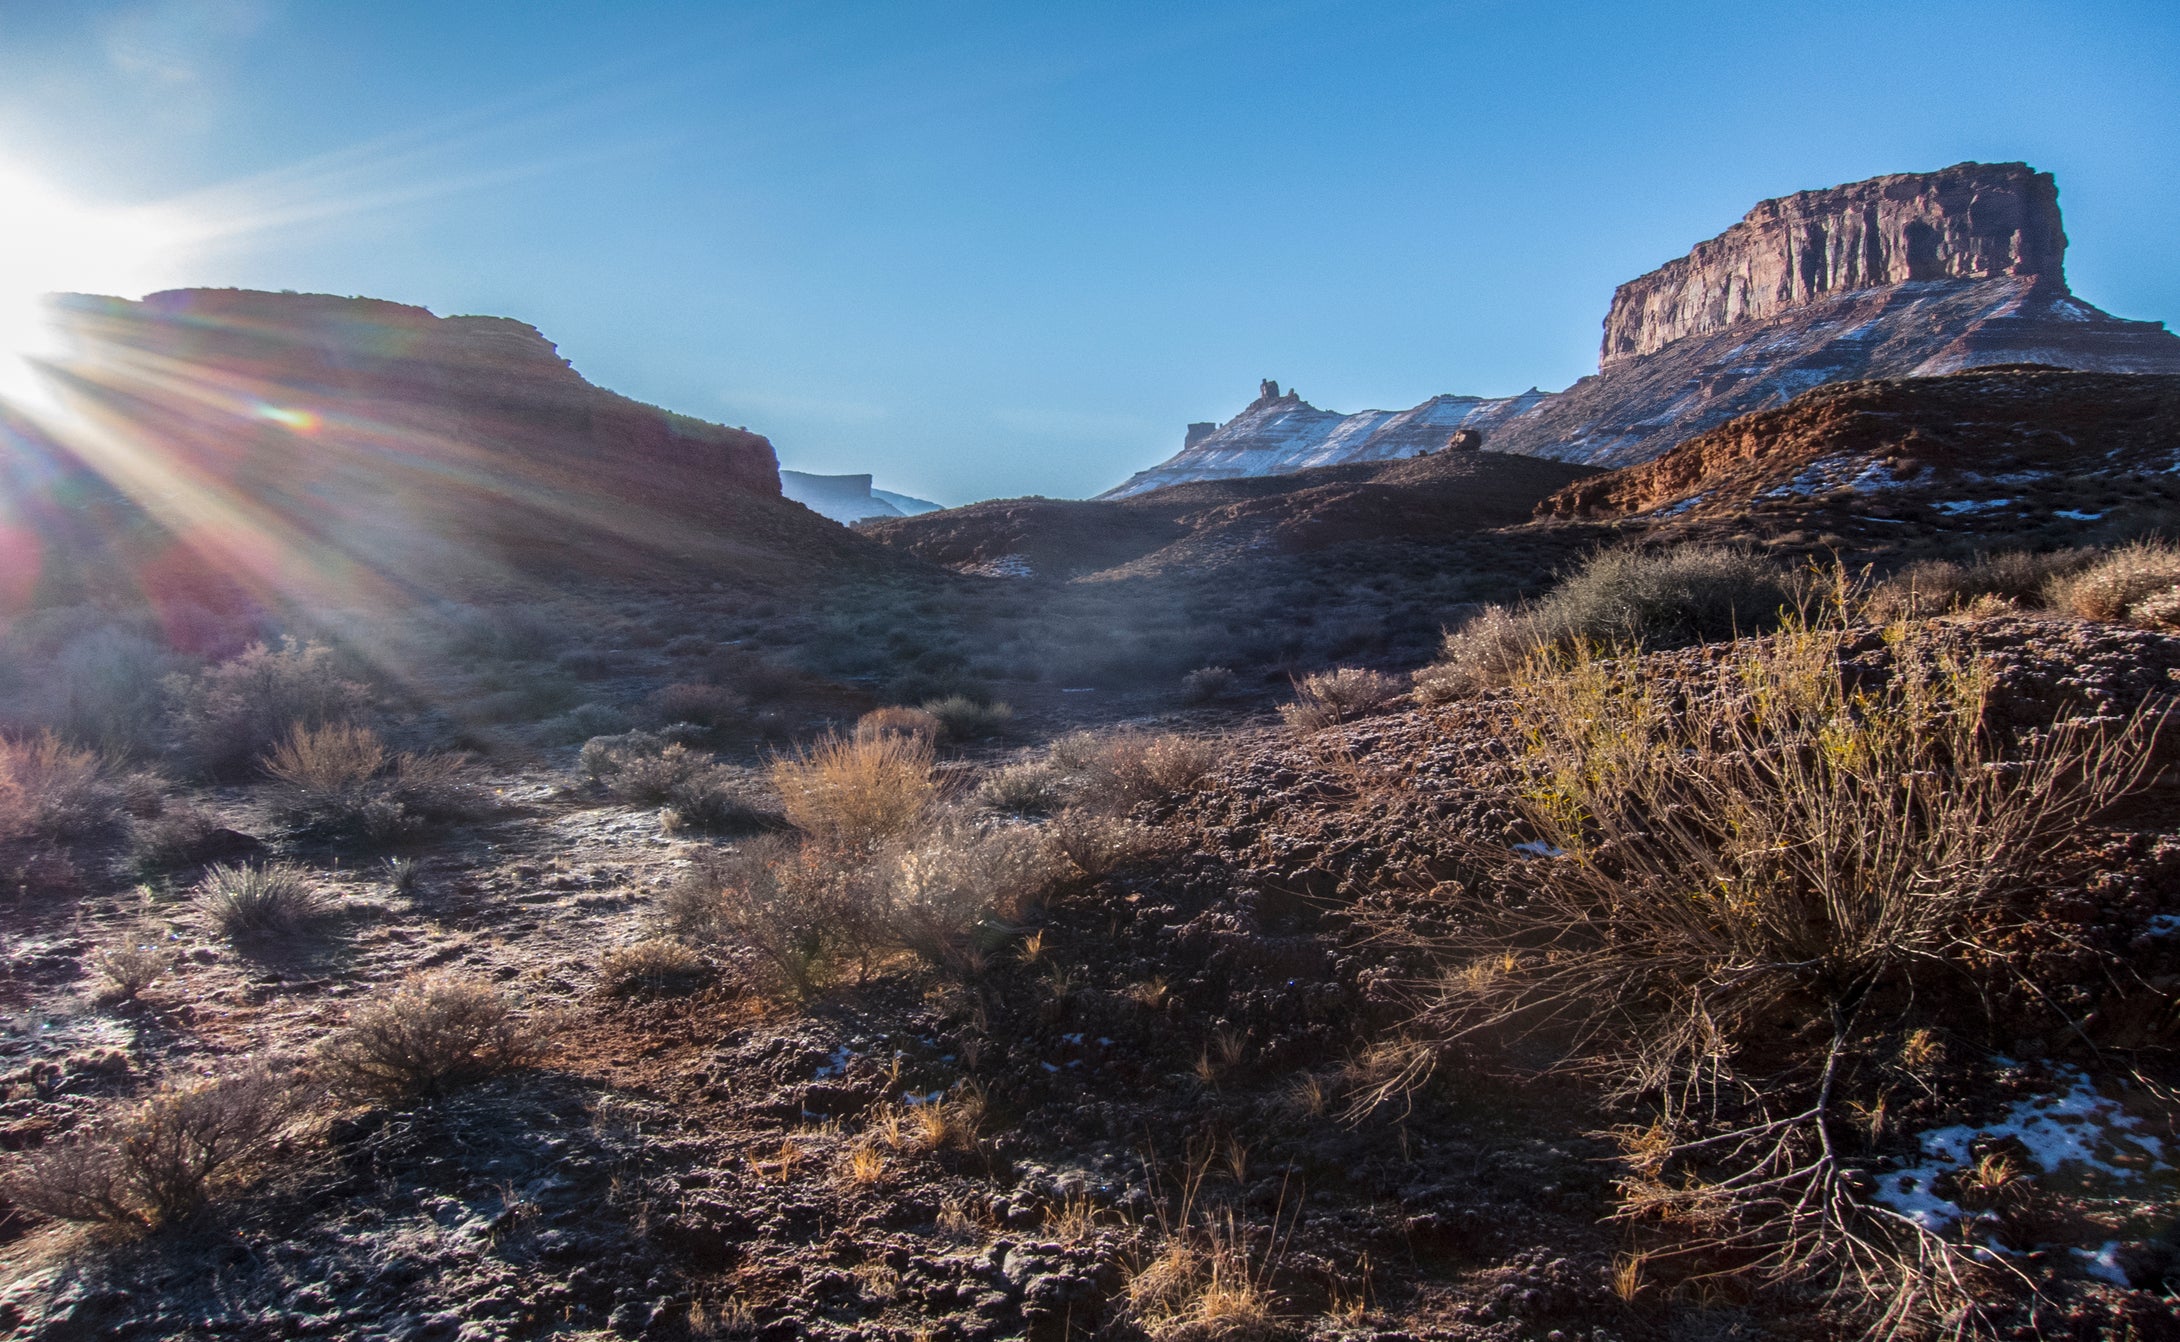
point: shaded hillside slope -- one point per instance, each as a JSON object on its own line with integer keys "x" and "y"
{"x": 1209, "y": 523}
{"x": 226, "y": 445}
{"x": 2000, "y": 456}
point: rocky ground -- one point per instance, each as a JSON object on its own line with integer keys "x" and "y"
{"x": 1169, "y": 1054}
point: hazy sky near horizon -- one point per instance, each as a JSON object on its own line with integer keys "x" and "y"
{"x": 993, "y": 249}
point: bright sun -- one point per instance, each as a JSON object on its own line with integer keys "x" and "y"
{"x": 51, "y": 242}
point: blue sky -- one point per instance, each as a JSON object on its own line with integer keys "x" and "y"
{"x": 985, "y": 250}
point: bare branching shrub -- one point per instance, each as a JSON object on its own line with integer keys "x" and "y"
{"x": 962, "y": 718}
{"x": 51, "y": 790}
{"x": 1708, "y": 859}
{"x": 132, "y": 964}
{"x": 1097, "y": 845}
{"x": 105, "y": 691}
{"x": 160, "y": 1160}
{"x": 1329, "y": 697}
{"x": 427, "y": 1037}
{"x": 856, "y": 794}
{"x": 229, "y": 715}
{"x": 790, "y": 906}
{"x": 341, "y": 779}
{"x": 950, "y": 893}
{"x": 1034, "y": 788}
{"x": 655, "y": 967}
{"x": 1207, "y": 684}
{"x": 898, "y": 720}
{"x": 2133, "y": 583}
{"x": 1621, "y": 598}
{"x": 1119, "y": 769}
{"x": 274, "y": 898}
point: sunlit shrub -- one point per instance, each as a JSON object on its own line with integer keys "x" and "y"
{"x": 855, "y": 794}
{"x": 427, "y": 1037}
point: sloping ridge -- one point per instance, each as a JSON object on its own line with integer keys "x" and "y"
{"x": 326, "y": 449}
{"x": 2021, "y": 454}
{"x": 1203, "y": 525}
{"x": 1908, "y": 275}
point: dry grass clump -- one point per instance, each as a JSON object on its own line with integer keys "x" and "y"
{"x": 1032, "y": 788}
{"x": 1937, "y": 586}
{"x": 1330, "y": 697}
{"x": 965, "y": 719}
{"x": 1767, "y": 845}
{"x": 898, "y": 720}
{"x": 160, "y": 1160}
{"x": 227, "y": 716}
{"x": 426, "y": 1037}
{"x": 2139, "y": 582}
{"x": 341, "y": 779}
{"x": 275, "y": 898}
{"x": 855, "y": 794}
{"x": 51, "y": 790}
{"x": 1618, "y": 598}
{"x": 654, "y": 967}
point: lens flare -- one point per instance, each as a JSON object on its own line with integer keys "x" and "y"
{"x": 51, "y": 242}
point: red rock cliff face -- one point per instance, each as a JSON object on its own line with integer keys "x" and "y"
{"x": 1970, "y": 221}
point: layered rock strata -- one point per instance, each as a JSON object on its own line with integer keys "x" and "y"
{"x": 1911, "y": 275}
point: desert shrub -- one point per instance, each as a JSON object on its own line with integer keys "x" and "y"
{"x": 1335, "y": 696}
{"x": 641, "y": 766}
{"x": 132, "y": 964}
{"x": 2134, "y": 582}
{"x": 504, "y": 633}
{"x": 1119, "y": 769}
{"x": 227, "y": 716}
{"x": 274, "y": 898}
{"x": 1207, "y": 684}
{"x": 1617, "y": 598}
{"x": 425, "y": 1038}
{"x": 1934, "y": 586}
{"x": 1769, "y": 844}
{"x": 965, "y": 719}
{"x": 949, "y": 894}
{"x": 1096, "y": 845}
{"x": 855, "y": 794}
{"x": 713, "y": 707}
{"x": 654, "y": 967}
{"x": 160, "y": 1160}
{"x": 1485, "y": 651}
{"x": 791, "y": 907}
{"x": 51, "y": 790}
{"x": 106, "y": 687}
{"x": 341, "y": 779}
{"x": 181, "y": 836}
{"x": 584, "y": 722}
{"x": 898, "y": 720}
{"x": 719, "y": 800}
{"x": 1032, "y": 788}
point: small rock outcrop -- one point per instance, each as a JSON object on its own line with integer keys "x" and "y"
{"x": 1972, "y": 221}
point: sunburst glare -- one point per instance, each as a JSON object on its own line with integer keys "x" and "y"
{"x": 53, "y": 242}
